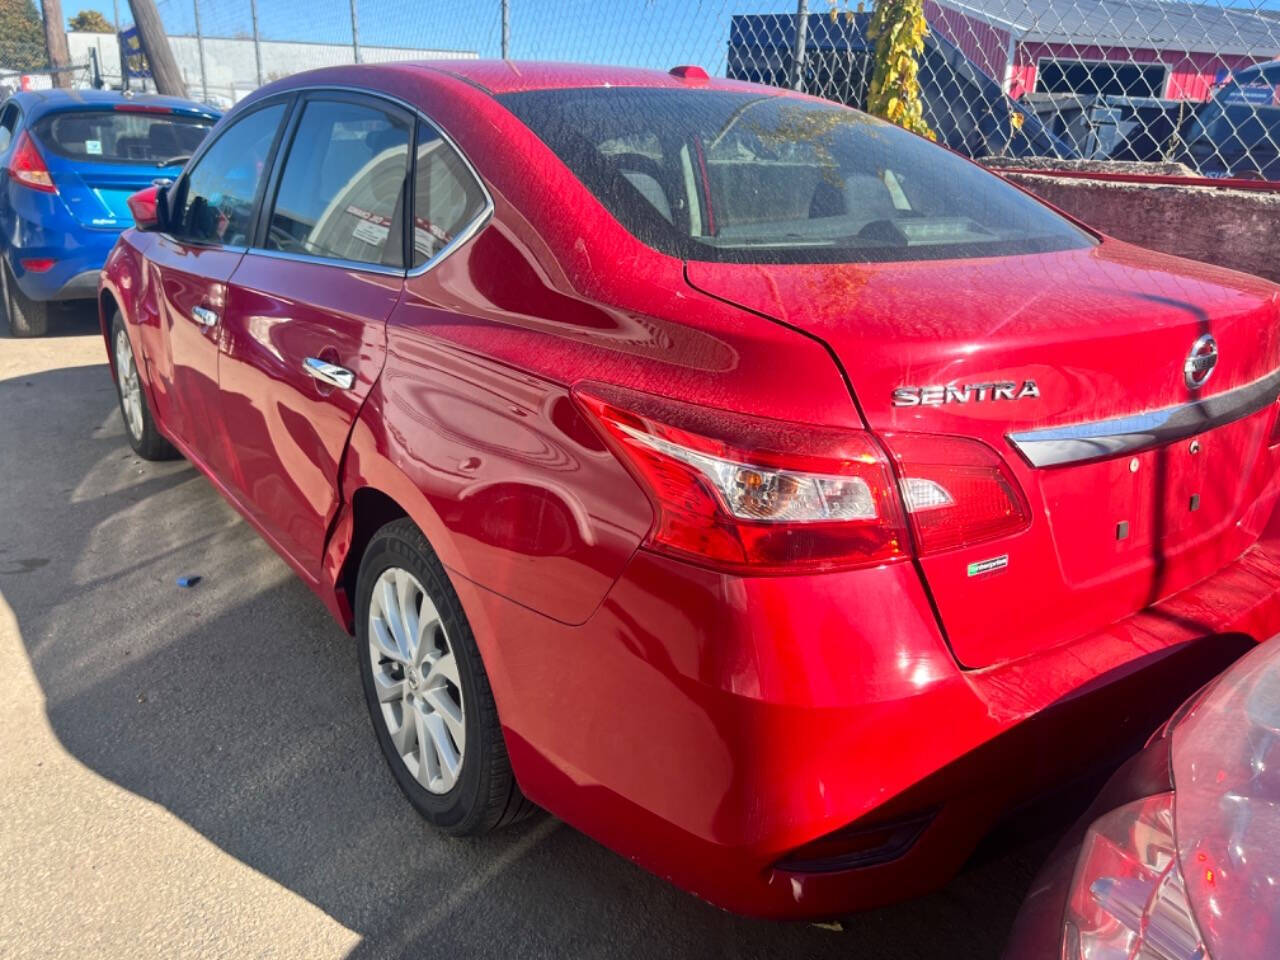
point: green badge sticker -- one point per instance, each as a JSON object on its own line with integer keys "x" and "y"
{"x": 988, "y": 566}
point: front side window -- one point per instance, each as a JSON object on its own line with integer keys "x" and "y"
{"x": 446, "y": 196}
{"x": 745, "y": 178}
{"x": 341, "y": 191}
{"x": 216, "y": 199}
{"x": 121, "y": 136}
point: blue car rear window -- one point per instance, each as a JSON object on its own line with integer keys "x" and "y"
{"x": 110, "y": 136}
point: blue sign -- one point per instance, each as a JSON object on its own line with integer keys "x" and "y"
{"x": 133, "y": 59}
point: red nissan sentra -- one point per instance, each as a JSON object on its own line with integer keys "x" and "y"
{"x": 766, "y": 491}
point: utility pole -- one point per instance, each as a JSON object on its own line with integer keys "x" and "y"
{"x": 55, "y": 41}
{"x": 155, "y": 44}
{"x": 355, "y": 32}
{"x": 124, "y": 66}
{"x": 798, "y": 55}
{"x": 204, "y": 77}
{"x": 257, "y": 41}
{"x": 506, "y": 29}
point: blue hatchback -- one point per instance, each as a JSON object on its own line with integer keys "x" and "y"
{"x": 69, "y": 159}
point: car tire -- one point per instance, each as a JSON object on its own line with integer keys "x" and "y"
{"x": 424, "y": 694}
{"x": 139, "y": 425}
{"x": 27, "y": 317}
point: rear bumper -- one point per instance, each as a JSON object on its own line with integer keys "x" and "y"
{"x": 78, "y": 254}
{"x": 707, "y": 726}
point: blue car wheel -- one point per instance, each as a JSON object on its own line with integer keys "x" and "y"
{"x": 27, "y": 317}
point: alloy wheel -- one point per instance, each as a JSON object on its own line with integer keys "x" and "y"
{"x": 130, "y": 387}
{"x": 416, "y": 678}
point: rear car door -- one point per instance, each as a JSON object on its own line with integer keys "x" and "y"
{"x": 304, "y": 326}
{"x": 211, "y": 220}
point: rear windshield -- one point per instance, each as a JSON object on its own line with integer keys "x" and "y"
{"x": 113, "y": 136}
{"x": 739, "y": 177}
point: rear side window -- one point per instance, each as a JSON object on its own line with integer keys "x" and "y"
{"x": 216, "y": 205}
{"x": 342, "y": 188}
{"x": 446, "y": 196}
{"x": 746, "y": 178}
{"x": 113, "y": 136}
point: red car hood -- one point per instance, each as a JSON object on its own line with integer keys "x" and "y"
{"x": 1099, "y": 333}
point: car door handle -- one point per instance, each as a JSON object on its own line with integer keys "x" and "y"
{"x": 329, "y": 373}
{"x": 204, "y": 316}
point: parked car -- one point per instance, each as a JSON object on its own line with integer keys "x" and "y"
{"x": 1179, "y": 855}
{"x": 766, "y": 491}
{"x": 1237, "y": 133}
{"x": 69, "y": 159}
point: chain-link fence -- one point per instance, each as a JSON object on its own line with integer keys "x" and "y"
{"x": 1108, "y": 80}
{"x": 24, "y": 59}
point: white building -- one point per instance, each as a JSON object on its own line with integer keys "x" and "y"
{"x": 230, "y": 66}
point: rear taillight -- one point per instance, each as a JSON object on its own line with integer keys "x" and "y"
{"x": 958, "y": 492}
{"x": 26, "y": 166}
{"x": 746, "y": 493}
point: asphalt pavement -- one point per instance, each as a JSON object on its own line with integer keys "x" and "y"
{"x": 192, "y": 773}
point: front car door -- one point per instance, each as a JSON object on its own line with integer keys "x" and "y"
{"x": 304, "y": 326}
{"x": 211, "y": 221}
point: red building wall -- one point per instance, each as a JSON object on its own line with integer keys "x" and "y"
{"x": 984, "y": 44}
{"x": 1190, "y": 74}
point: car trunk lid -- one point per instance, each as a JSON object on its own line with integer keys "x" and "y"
{"x": 97, "y": 196}
{"x": 997, "y": 349}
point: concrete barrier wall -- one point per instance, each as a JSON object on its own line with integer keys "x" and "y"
{"x": 1239, "y": 229}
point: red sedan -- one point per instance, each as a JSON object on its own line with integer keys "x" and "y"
{"x": 771, "y": 494}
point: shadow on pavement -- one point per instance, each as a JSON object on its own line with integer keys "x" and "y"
{"x": 237, "y": 706}
{"x": 74, "y": 318}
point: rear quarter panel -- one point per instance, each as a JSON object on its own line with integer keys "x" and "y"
{"x": 473, "y": 414}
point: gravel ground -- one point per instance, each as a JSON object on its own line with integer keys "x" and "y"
{"x": 192, "y": 772}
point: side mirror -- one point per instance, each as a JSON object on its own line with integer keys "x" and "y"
{"x": 146, "y": 206}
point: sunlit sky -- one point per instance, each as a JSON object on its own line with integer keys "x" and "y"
{"x": 649, "y": 32}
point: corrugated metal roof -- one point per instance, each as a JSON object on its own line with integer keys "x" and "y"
{"x": 1136, "y": 24}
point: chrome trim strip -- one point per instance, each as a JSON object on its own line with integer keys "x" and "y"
{"x": 466, "y": 233}
{"x": 1082, "y": 442}
{"x": 357, "y": 265}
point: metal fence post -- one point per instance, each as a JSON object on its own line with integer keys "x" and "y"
{"x": 798, "y": 55}
{"x": 355, "y": 31}
{"x": 204, "y": 78}
{"x": 506, "y": 29}
{"x": 257, "y": 41}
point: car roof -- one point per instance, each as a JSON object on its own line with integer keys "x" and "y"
{"x": 514, "y": 76}
{"x": 37, "y": 102}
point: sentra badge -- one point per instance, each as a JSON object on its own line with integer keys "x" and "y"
{"x": 939, "y": 394}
